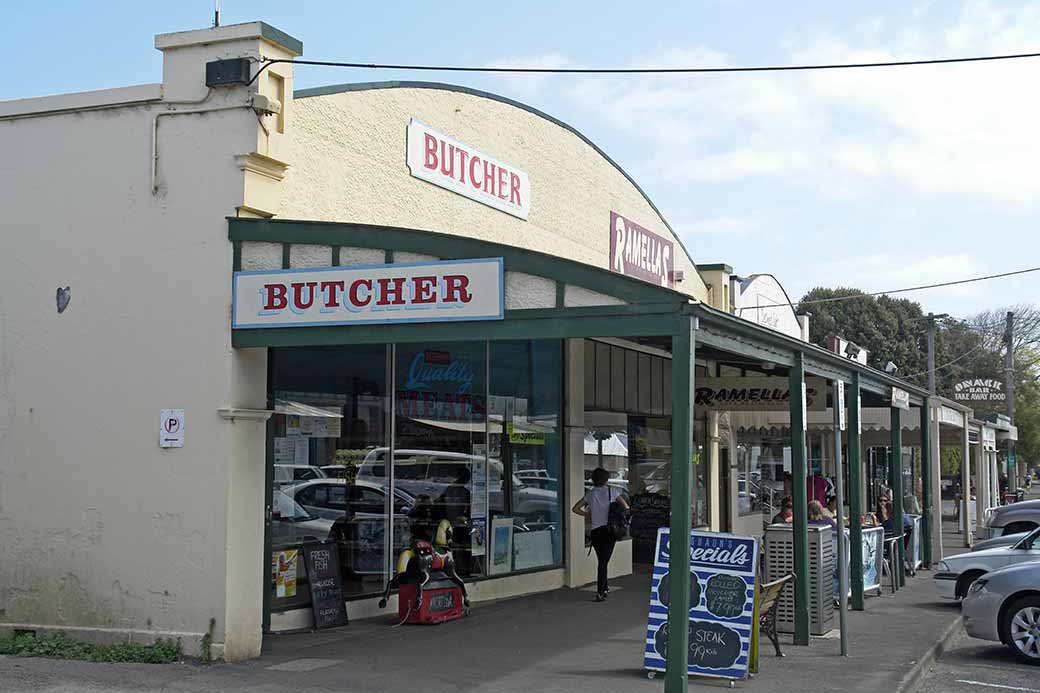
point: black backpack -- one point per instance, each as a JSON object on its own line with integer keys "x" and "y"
{"x": 619, "y": 519}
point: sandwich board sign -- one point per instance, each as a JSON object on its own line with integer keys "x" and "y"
{"x": 723, "y": 569}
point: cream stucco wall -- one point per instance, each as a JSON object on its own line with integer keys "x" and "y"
{"x": 349, "y": 166}
{"x": 102, "y": 532}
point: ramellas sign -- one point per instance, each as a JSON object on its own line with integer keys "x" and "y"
{"x": 640, "y": 253}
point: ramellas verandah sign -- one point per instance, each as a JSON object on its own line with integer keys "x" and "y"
{"x": 755, "y": 394}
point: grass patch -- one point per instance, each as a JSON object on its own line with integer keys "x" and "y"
{"x": 61, "y": 646}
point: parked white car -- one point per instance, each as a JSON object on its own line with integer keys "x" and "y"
{"x": 1004, "y": 606}
{"x": 291, "y": 524}
{"x": 955, "y": 574}
{"x": 1010, "y": 519}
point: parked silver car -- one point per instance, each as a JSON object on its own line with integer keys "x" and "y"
{"x": 1010, "y": 519}
{"x": 1004, "y": 606}
{"x": 1002, "y": 540}
{"x": 955, "y": 574}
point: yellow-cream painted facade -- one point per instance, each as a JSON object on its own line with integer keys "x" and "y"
{"x": 348, "y": 165}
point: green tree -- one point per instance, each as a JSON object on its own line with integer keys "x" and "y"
{"x": 890, "y": 329}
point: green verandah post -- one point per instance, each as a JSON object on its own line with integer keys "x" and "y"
{"x": 855, "y": 495}
{"x": 926, "y": 484}
{"x": 796, "y": 382}
{"x": 896, "y": 478}
{"x": 677, "y": 658}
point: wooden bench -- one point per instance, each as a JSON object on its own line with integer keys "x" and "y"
{"x": 768, "y": 600}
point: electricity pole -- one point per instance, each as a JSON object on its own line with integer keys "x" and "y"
{"x": 1009, "y": 375}
{"x": 932, "y": 318}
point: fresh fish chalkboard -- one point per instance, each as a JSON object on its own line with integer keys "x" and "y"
{"x": 322, "y": 560}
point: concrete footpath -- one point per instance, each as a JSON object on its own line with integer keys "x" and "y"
{"x": 558, "y": 641}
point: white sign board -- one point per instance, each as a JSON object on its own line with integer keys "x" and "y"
{"x": 900, "y": 398}
{"x": 444, "y": 161}
{"x": 407, "y": 292}
{"x": 805, "y": 413}
{"x": 841, "y": 405}
{"x": 171, "y": 428}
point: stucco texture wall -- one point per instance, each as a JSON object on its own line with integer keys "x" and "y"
{"x": 99, "y": 527}
{"x": 349, "y": 165}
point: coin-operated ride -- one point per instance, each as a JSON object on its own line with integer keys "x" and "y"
{"x": 430, "y": 591}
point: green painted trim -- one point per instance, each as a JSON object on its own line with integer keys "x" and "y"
{"x": 817, "y": 360}
{"x": 276, "y": 35}
{"x": 895, "y": 482}
{"x": 335, "y": 255}
{"x": 683, "y": 369}
{"x": 926, "y": 486}
{"x": 855, "y": 448}
{"x": 448, "y": 248}
{"x": 286, "y": 255}
{"x": 542, "y": 323}
{"x": 371, "y": 86}
{"x": 796, "y": 377}
{"x": 388, "y": 256}
{"x": 236, "y": 256}
{"x": 561, "y": 294}
{"x": 715, "y": 267}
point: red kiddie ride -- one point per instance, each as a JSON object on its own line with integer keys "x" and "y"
{"x": 430, "y": 591}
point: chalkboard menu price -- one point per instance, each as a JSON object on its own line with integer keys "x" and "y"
{"x": 326, "y": 585}
{"x": 712, "y": 645}
{"x": 726, "y": 595}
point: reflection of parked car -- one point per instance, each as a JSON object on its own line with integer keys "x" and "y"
{"x": 292, "y": 524}
{"x": 1004, "y": 606}
{"x": 955, "y": 574}
{"x": 1010, "y": 519}
{"x": 333, "y": 498}
{"x": 292, "y": 473}
{"x": 430, "y": 473}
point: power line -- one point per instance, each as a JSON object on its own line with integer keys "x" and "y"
{"x": 849, "y": 297}
{"x": 950, "y": 362}
{"x": 643, "y": 70}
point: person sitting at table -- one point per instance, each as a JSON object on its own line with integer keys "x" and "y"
{"x": 786, "y": 514}
{"x": 816, "y": 516}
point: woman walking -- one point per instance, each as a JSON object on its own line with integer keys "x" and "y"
{"x": 596, "y": 506}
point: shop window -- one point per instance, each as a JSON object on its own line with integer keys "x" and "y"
{"x": 525, "y": 451}
{"x": 331, "y": 409}
{"x": 762, "y": 463}
{"x": 441, "y": 457}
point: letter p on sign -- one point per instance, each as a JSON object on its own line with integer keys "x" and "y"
{"x": 171, "y": 428}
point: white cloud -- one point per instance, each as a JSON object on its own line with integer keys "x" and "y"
{"x": 732, "y": 226}
{"x": 967, "y": 130}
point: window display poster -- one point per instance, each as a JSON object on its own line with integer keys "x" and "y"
{"x": 284, "y": 564}
{"x": 478, "y": 539}
{"x": 478, "y": 483}
{"x": 292, "y": 425}
{"x": 284, "y": 451}
{"x": 301, "y": 450}
{"x": 501, "y": 545}
{"x": 722, "y": 572}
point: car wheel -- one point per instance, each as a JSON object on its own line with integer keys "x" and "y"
{"x": 964, "y": 582}
{"x": 1019, "y": 527}
{"x": 1022, "y": 625}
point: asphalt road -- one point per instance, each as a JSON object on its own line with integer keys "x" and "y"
{"x": 982, "y": 667}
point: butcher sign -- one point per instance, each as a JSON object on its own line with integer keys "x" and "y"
{"x": 444, "y": 161}
{"x": 171, "y": 428}
{"x": 406, "y": 292}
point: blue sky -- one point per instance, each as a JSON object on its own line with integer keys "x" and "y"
{"x": 875, "y": 179}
